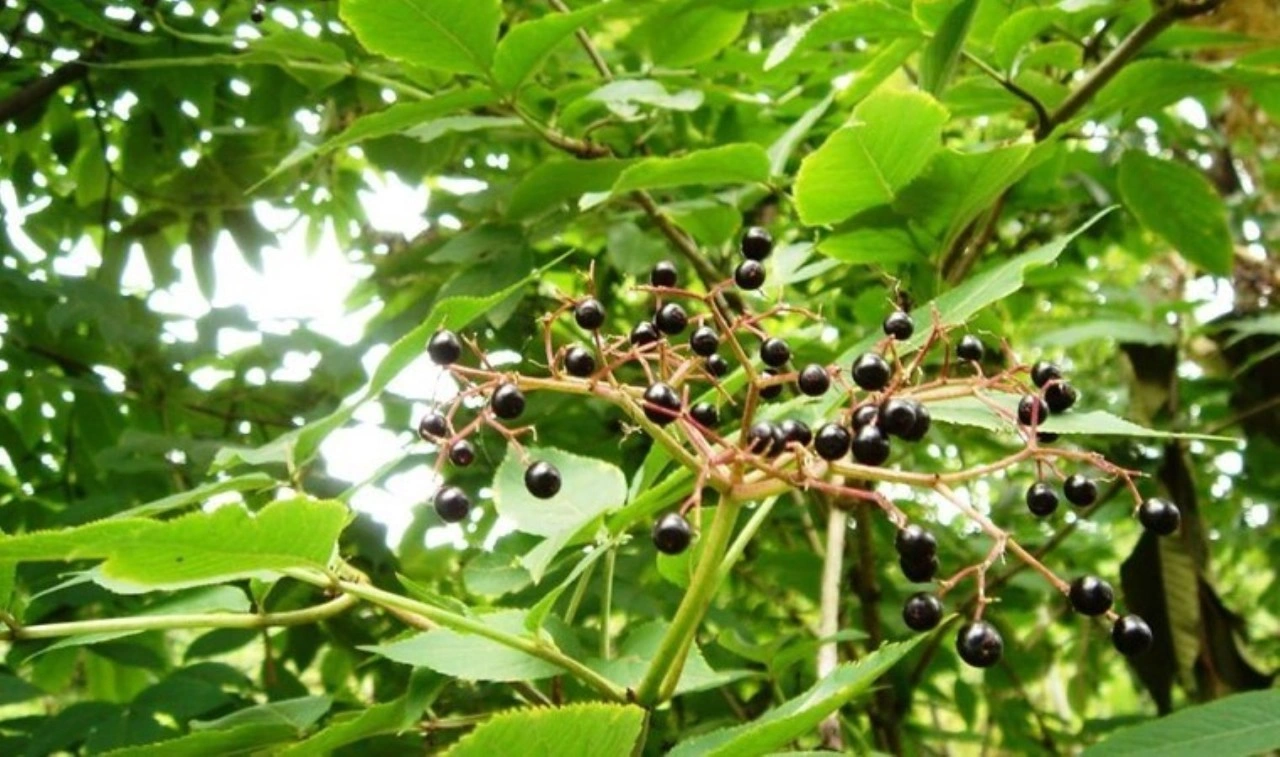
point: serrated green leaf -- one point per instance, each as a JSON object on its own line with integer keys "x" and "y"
{"x": 1177, "y": 202}
{"x": 554, "y": 182}
{"x": 1243, "y": 724}
{"x": 389, "y": 717}
{"x": 728, "y": 164}
{"x": 446, "y": 35}
{"x": 1131, "y": 331}
{"x": 211, "y": 743}
{"x": 295, "y": 714}
{"x": 969, "y": 411}
{"x": 198, "y": 495}
{"x": 578, "y": 730}
{"x": 938, "y": 61}
{"x": 684, "y": 32}
{"x": 468, "y": 656}
{"x": 590, "y": 489}
{"x": 1145, "y": 86}
{"x": 523, "y": 50}
{"x": 623, "y": 97}
{"x": 1017, "y": 30}
{"x": 865, "y": 19}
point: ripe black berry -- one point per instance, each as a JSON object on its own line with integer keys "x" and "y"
{"x": 542, "y": 479}
{"x": 897, "y": 416}
{"x": 1080, "y": 491}
{"x": 1090, "y": 595}
{"x": 870, "y": 446}
{"x": 671, "y": 319}
{"x": 915, "y": 543}
{"x": 1046, "y": 437}
{"x": 432, "y": 426}
{"x": 579, "y": 361}
{"x": 589, "y": 314}
{"x": 749, "y": 275}
{"x": 644, "y": 333}
{"x": 813, "y": 380}
{"x": 705, "y": 414}
{"x": 763, "y": 437}
{"x": 773, "y": 391}
{"x": 922, "y": 612}
{"x": 661, "y": 403}
{"x": 452, "y": 504}
{"x": 1131, "y": 635}
{"x": 1159, "y": 516}
{"x": 462, "y": 453}
{"x": 919, "y": 571}
{"x": 775, "y": 352}
{"x": 796, "y": 431}
{"x": 1060, "y": 396}
{"x": 507, "y": 402}
{"x": 921, "y": 427}
{"x": 757, "y": 243}
{"x": 672, "y": 534}
{"x": 704, "y": 341}
{"x": 871, "y": 372}
{"x": 865, "y": 416}
{"x": 444, "y": 348}
{"x": 258, "y": 14}
{"x": 717, "y": 366}
{"x": 1043, "y": 372}
{"x": 979, "y": 644}
{"x": 664, "y": 274}
{"x": 1032, "y": 411}
{"x": 899, "y": 326}
{"x": 832, "y": 441}
{"x": 970, "y": 348}
{"x": 1042, "y": 500}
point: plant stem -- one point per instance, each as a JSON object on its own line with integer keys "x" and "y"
{"x": 829, "y": 624}
{"x": 606, "y": 606}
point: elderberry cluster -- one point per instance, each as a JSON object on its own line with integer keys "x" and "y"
{"x": 677, "y": 389}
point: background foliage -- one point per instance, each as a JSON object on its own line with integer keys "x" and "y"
{"x": 899, "y": 149}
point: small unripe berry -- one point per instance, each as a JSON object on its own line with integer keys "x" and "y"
{"x": 542, "y": 480}
{"x": 757, "y": 243}
{"x": 444, "y": 348}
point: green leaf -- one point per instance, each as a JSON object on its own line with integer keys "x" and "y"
{"x": 14, "y": 690}
{"x": 1177, "y": 202}
{"x": 578, "y": 730}
{"x": 1131, "y": 331}
{"x": 198, "y": 495}
{"x": 433, "y": 130}
{"x": 92, "y": 18}
{"x": 524, "y": 49}
{"x": 296, "y": 714}
{"x": 200, "y": 548}
{"x": 1242, "y": 724}
{"x": 212, "y": 743}
{"x": 883, "y": 64}
{"x": 628, "y": 667}
{"x": 468, "y": 656}
{"x": 800, "y": 715}
{"x": 968, "y": 411}
{"x": 590, "y": 489}
{"x": 892, "y": 137}
{"x": 865, "y": 19}
{"x": 1017, "y": 30}
{"x": 729, "y": 164}
{"x": 440, "y": 34}
{"x": 1145, "y": 86}
{"x": 554, "y": 182}
{"x": 685, "y": 32}
{"x": 390, "y": 717}
{"x": 782, "y": 148}
{"x": 938, "y": 61}
{"x": 873, "y": 246}
{"x": 623, "y": 97}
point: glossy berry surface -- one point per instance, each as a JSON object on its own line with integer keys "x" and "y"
{"x": 762, "y": 437}
{"x": 542, "y": 480}
{"x": 796, "y": 431}
{"x": 705, "y": 414}
{"x": 1131, "y": 636}
{"x": 871, "y": 372}
{"x": 922, "y": 612}
{"x": 671, "y": 319}
{"x": 1159, "y": 516}
{"x": 757, "y": 243}
{"x": 704, "y": 341}
{"x": 897, "y": 416}
{"x": 919, "y": 571}
{"x": 258, "y": 14}
{"x": 865, "y": 416}
{"x": 589, "y": 314}
{"x": 979, "y": 644}
{"x": 452, "y": 504}
{"x": 1060, "y": 396}
{"x": 970, "y": 348}
{"x": 1042, "y": 500}
{"x": 1091, "y": 595}
{"x": 644, "y": 333}
{"x": 870, "y": 446}
{"x": 507, "y": 402}
{"x": 1043, "y": 372}
{"x": 462, "y": 453}
{"x": 661, "y": 403}
{"x": 813, "y": 380}
{"x": 1080, "y": 491}
{"x": 924, "y": 420}
{"x": 444, "y": 348}
{"x": 579, "y": 361}
{"x": 664, "y": 274}
{"x": 749, "y": 275}
{"x": 899, "y": 326}
{"x": 433, "y": 426}
{"x": 717, "y": 366}
{"x": 915, "y": 543}
{"x": 832, "y": 441}
{"x": 775, "y": 352}
{"x": 773, "y": 391}
{"x": 672, "y": 534}
{"x": 1032, "y": 411}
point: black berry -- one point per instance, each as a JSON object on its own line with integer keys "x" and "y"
{"x": 1032, "y": 411}
{"x": 796, "y": 431}
{"x": 1090, "y": 595}
{"x": 671, "y": 319}
{"x": 922, "y": 612}
{"x": 865, "y": 416}
{"x": 452, "y": 504}
{"x": 672, "y": 534}
{"x": 462, "y": 453}
{"x": 661, "y": 403}
{"x": 507, "y": 402}
{"x": 921, "y": 427}
{"x": 871, "y": 372}
{"x": 664, "y": 274}
{"x": 757, "y": 243}
{"x": 970, "y": 348}
{"x": 919, "y": 571}
{"x": 717, "y": 366}
{"x": 542, "y": 479}
{"x": 704, "y": 341}
{"x": 644, "y": 333}
{"x": 1159, "y": 516}
{"x": 1060, "y": 396}
{"x": 1131, "y": 635}
{"x": 775, "y": 352}
{"x": 589, "y": 314}
{"x": 580, "y": 362}
{"x": 1043, "y": 372}
{"x": 832, "y": 441}
{"x": 432, "y": 426}
{"x": 979, "y": 644}
{"x": 813, "y": 380}
{"x": 444, "y": 348}
{"x": 899, "y": 326}
{"x": 749, "y": 275}
{"x": 915, "y": 543}
{"x": 870, "y": 446}
{"x": 1080, "y": 491}
{"x": 1042, "y": 500}
{"x": 258, "y": 14}
{"x": 705, "y": 414}
{"x": 763, "y": 437}
{"x": 897, "y": 416}
{"x": 1046, "y": 437}
{"x": 773, "y": 391}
